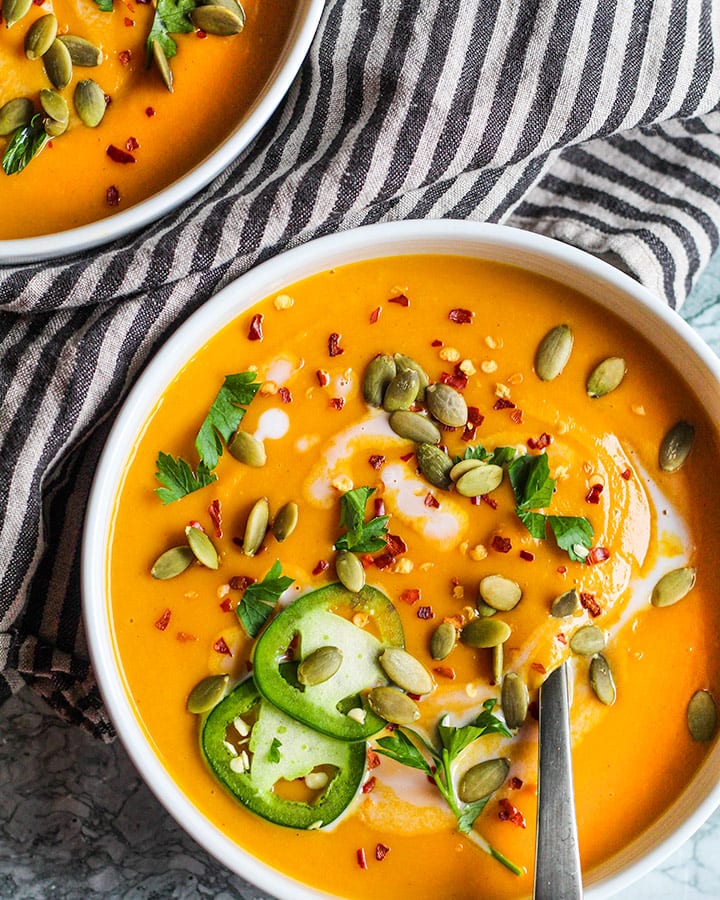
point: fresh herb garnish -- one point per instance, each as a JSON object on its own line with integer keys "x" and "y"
{"x": 408, "y": 748}
{"x": 500, "y": 456}
{"x": 260, "y": 598}
{"x": 24, "y": 146}
{"x": 171, "y": 17}
{"x": 178, "y": 477}
{"x": 104, "y": 5}
{"x": 226, "y": 413}
{"x": 360, "y": 536}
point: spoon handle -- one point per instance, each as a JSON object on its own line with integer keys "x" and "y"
{"x": 557, "y": 860}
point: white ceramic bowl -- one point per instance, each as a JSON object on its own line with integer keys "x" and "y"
{"x": 607, "y": 286}
{"x": 74, "y": 240}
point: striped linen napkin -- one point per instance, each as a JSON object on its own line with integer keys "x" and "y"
{"x": 594, "y": 121}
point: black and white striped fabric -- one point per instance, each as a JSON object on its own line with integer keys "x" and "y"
{"x": 595, "y": 121}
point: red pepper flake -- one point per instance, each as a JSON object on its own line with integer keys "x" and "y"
{"x": 201, "y": 34}
{"x": 461, "y": 316}
{"x": 118, "y": 155}
{"x": 381, "y": 851}
{"x": 475, "y": 417}
{"x": 367, "y": 560}
{"x": 164, "y": 620}
{"x": 562, "y": 570}
{"x": 132, "y": 144}
{"x": 401, "y": 300}
{"x": 527, "y": 555}
{"x": 430, "y": 501}
{"x": 321, "y": 567}
{"x": 515, "y": 783}
{"x": 129, "y": 23}
{"x": 379, "y": 506}
{"x": 516, "y": 416}
{"x": 425, "y": 612}
{"x": 457, "y": 380}
{"x": 255, "y": 332}
{"x": 626, "y": 474}
{"x": 193, "y": 523}
{"x": 561, "y": 637}
{"x": 149, "y": 112}
{"x": 334, "y": 348}
{"x": 503, "y": 403}
{"x": 369, "y": 785}
{"x": 510, "y": 813}
{"x": 541, "y": 442}
{"x": 112, "y": 196}
{"x": 593, "y": 495}
{"x": 220, "y": 646}
{"x": 476, "y": 501}
{"x": 384, "y": 561}
{"x": 411, "y": 595}
{"x": 185, "y": 637}
{"x": 445, "y": 672}
{"x": 589, "y": 603}
{"x": 323, "y": 377}
{"x": 413, "y": 696}
{"x": 407, "y": 457}
{"x": 228, "y": 604}
{"x": 38, "y": 2}
{"x": 124, "y": 56}
{"x": 538, "y": 667}
{"x": 373, "y": 759}
{"x": 215, "y": 513}
{"x": 491, "y": 501}
{"x": 437, "y": 343}
{"x": 501, "y": 544}
{"x": 361, "y": 858}
{"x": 285, "y": 395}
{"x": 241, "y": 582}
{"x": 597, "y": 555}
{"x": 375, "y": 314}
{"x": 395, "y": 544}
{"x": 336, "y": 402}
{"x": 376, "y": 461}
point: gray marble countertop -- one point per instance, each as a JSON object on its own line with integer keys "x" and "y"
{"x": 76, "y": 820}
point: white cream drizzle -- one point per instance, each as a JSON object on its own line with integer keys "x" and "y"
{"x": 272, "y": 424}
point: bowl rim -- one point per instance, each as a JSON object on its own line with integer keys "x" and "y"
{"x": 94, "y": 234}
{"x": 444, "y": 236}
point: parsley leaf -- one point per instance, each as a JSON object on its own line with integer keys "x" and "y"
{"x": 360, "y": 536}
{"x": 531, "y": 481}
{"x": 24, "y": 146}
{"x": 535, "y": 523}
{"x": 171, "y": 17}
{"x": 400, "y": 748}
{"x": 226, "y": 413}
{"x": 260, "y": 598}
{"x": 178, "y": 477}
{"x": 104, "y": 5}
{"x": 500, "y": 456}
{"x": 570, "y": 532}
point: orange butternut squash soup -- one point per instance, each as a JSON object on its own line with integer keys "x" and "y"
{"x": 360, "y": 528}
{"x": 103, "y": 104}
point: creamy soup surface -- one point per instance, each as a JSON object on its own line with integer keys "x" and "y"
{"x": 149, "y": 137}
{"x": 475, "y": 326}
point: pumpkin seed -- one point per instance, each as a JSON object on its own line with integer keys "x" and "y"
{"x": 414, "y": 427}
{"x": 172, "y": 562}
{"x": 460, "y": 468}
{"x": 483, "y": 779}
{"x": 55, "y": 105}
{"x": 601, "y": 680}
{"x": 434, "y": 464}
{"x": 702, "y": 716}
{"x": 202, "y": 547}
{"x": 402, "y": 391}
{"x": 58, "y": 65}
{"x": 405, "y": 671}
{"x": 446, "y": 404}
{"x": 207, "y": 693}
{"x": 392, "y": 705}
{"x": 82, "y": 52}
{"x": 228, "y": 4}
{"x": 217, "y": 20}
{"x": 405, "y": 362}
{"x": 500, "y": 592}
{"x": 484, "y": 609}
{"x": 319, "y": 666}
{"x": 606, "y": 376}
{"x": 379, "y": 373}
{"x": 89, "y": 100}
{"x": 285, "y": 521}
{"x": 565, "y": 604}
{"x": 14, "y": 114}
{"x": 53, "y": 128}
{"x": 350, "y": 571}
{"x": 14, "y": 10}
{"x": 162, "y": 64}
{"x": 480, "y": 480}
{"x": 676, "y": 446}
{"x": 485, "y": 632}
{"x": 498, "y": 663}
{"x": 553, "y": 352}
{"x": 40, "y": 35}
{"x": 673, "y": 586}
{"x": 256, "y": 526}
{"x": 514, "y": 699}
{"x": 247, "y": 449}
{"x": 588, "y": 640}
{"x": 443, "y": 641}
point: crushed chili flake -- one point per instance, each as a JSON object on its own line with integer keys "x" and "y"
{"x": 373, "y": 759}
{"x": 336, "y": 402}
{"x": 469, "y": 432}
{"x": 510, "y": 813}
{"x": 381, "y": 851}
{"x": 562, "y": 570}
{"x": 149, "y": 111}
{"x": 437, "y": 343}
{"x": 430, "y": 501}
{"x": 445, "y": 672}
{"x": 597, "y": 555}
{"x": 201, "y": 34}
{"x": 320, "y": 567}
{"x": 501, "y": 544}
{"x": 118, "y": 155}
{"x": 376, "y": 461}
{"x": 375, "y": 314}
{"x": 369, "y": 785}
{"x": 626, "y": 474}
{"x": 334, "y": 348}
{"x": 395, "y": 544}
{"x": 476, "y": 501}
{"x": 227, "y": 605}
{"x": 515, "y": 783}
{"x": 124, "y": 57}
{"x": 193, "y": 523}
{"x": 540, "y": 443}
{"x": 384, "y": 561}
{"x": 215, "y": 513}
{"x": 361, "y": 858}
{"x": 491, "y": 501}
{"x": 220, "y": 646}
{"x": 401, "y": 300}
{"x": 184, "y": 637}
{"x": 561, "y": 637}
{"x": 589, "y": 603}
{"x": 129, "y": 23}
{"x": 379, "y": 506}
{"x": 164, "y": 620}
{"x": 425, "y": 612}
{"x": 407, "y": 457}
{"x": 255, "y": 332}
{"x": 461, "y": 316}
{"x": 323, "y": 377}
{"x": 367, "y": 560}
{"x": 503, "y": 403}
{"x": 112, "y": 196}
{"x": 285, "y": 395}
{"x": 240, "y": 582}
{"x": 538, "y": 667}
{"x": 475, "y": 417}
{"x": 527, "y": 555}
{"x": 411, "y": 595}
{"x": 457, "y": 380}
{"x": 132, "y": 144}
{"x": 516, "y": 416}
{"x": 593, "y": 495}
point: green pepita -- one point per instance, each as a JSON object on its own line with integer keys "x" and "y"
{"x": 82, "y": 52}
{"x": 162, "y": 64}
{"x": 285, "y": 521}
{"x": 319, "y": 666}
{"x": 601, "y": 680}
{"x": 247, "y": 449}
{"x": 514, "y": 699}
{"x": 202, "y": 547}
{"x": 89, "y": 100}
{"x": 460, "y": 468}
{"x": 217, "y": 20}
{"x": 256, "y": 526}
{"x": 14, "y": 114}
{"x": 405, "y": 362}
{"x": 565, "y": 604}
{"x": 553, "y": 352}
{"x": 414, "y": 427}
{"x": 228, "y": 4}
{"x": 484, "y": 609}
{"x": 350, "y": 571}
{"x": 207, "y": 693}
{"x": 498, "y": 663}
{"x": 673, "y": 586}
{"x": 172, "y": 562}
{"x": 483, "y": 779}
{"x": 405, "y": 671}
{"x": 480, "y": 480}
{"x": 434, "y": 464}
{"x": 443, "y": 640}
{"x": 14, "y": 10}
{"x": 40, "y": 35}
{"x": 55, "y": 105}
{"x": 393, "y": 706}
{"x": 58, "y": 65}
{"x": 446, "y": 404}
{"x": 702, "y": 716}
{"x": 676, "y": 446}
{"x": 500, "y": 592}
{"x": 606, "y": 376}
{"x": 379, "y": 373}
{"x": 485, "y": 632}
{"x": 587, "y": 640}
{"x": 402, "y": 391}
{"x": 53, "y": 128}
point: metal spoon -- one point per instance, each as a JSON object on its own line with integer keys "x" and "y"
{"x": 557, "y": 860}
